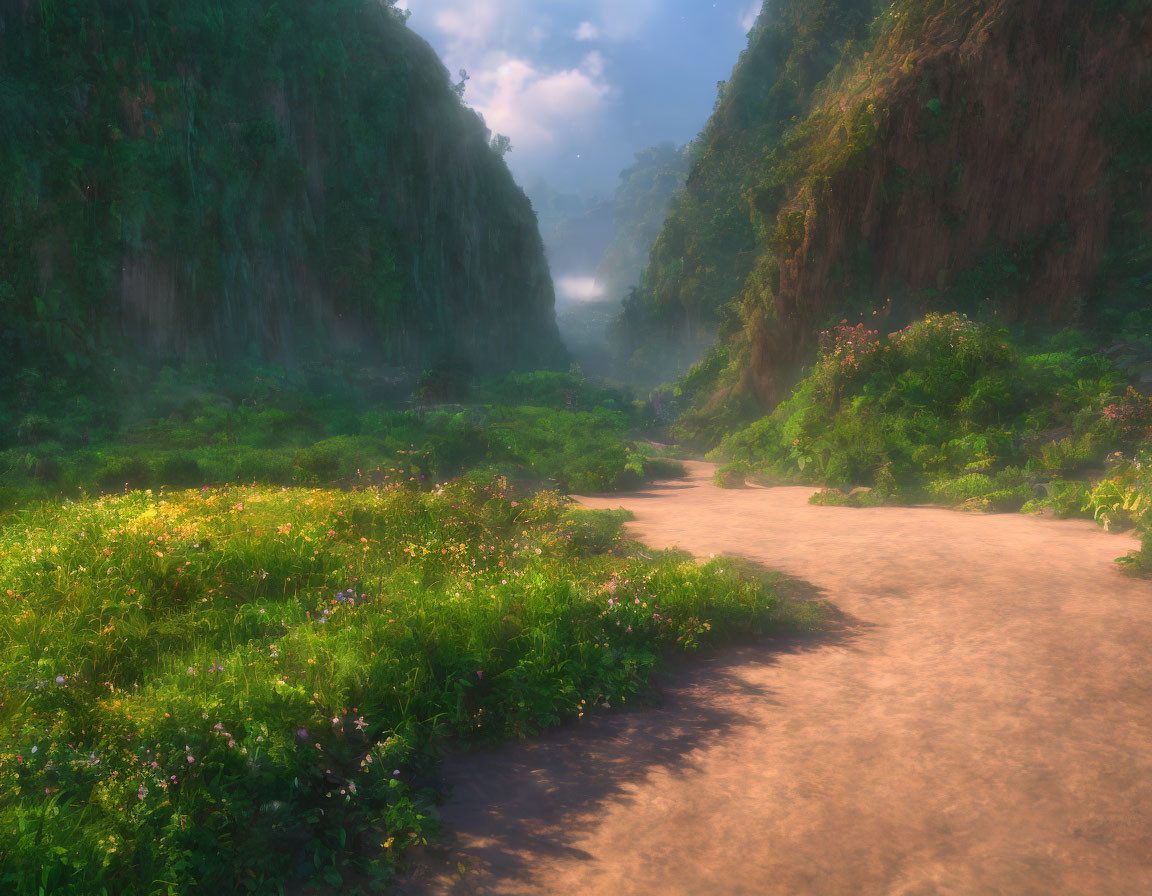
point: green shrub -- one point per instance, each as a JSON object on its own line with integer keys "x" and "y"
{"x": 732, "y": 475}
{"x": 663, "y": 468}
{"x": 119, "y": 473}
{"x": 36, "y": 428}
{"x": 939, "y": 409}
{"x": 831, "y": 497}
{"x": 180, "y": 471}
{"x": 1065, "y": 499}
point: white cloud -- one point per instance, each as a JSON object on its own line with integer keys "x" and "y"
{"x": 540, "y": 108}
{"x": 472, "y": 25}
{"x": 750, "y": 15}
{"x": 587, "y": 31}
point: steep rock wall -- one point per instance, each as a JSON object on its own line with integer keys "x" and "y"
{"x": 205, "y": 180}
{"x": 877, "y": 160}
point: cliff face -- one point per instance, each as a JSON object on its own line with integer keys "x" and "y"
{"x": 206, "y": 180}
{"x": 980, "y": 155}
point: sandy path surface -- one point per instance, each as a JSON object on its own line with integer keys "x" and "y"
{"x": 979, "y": 722}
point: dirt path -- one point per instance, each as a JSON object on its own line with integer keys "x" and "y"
{"x": 981, "y": 723}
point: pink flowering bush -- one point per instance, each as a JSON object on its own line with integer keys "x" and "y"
{"x": 946, "y": 409}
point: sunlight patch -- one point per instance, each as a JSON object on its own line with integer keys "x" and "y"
{"x": 578, "y": 289}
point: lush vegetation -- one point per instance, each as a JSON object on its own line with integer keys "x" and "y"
{"x": 197, "y": 426}
{"x": 858, "y": 153}
{"x": 245, "y": 610}
{"x": 721, "y": 223}
{"x": 640, "y": 206}
{"x": 227, "y": 687}
{"x": 957, "y": 412}
{"x": 242, "y": 181}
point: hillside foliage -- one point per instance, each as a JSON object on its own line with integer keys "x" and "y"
{"x": 935, "y": 153}
{"x": 245, "y": 181}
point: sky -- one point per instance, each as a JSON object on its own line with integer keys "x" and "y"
{"x": 581, "y": 85}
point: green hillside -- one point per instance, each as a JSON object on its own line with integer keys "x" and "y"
{"x": 211, "y": 181}
{"x": 941, "y": 154}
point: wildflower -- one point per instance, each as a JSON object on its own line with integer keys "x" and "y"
{"x": 59, "y": 679}
{"x": 396, "y": 773}
{"x": 142, "y": 792}
{"x": 191, "y": 759}
{"x": 360, "y": 723}
{"x": 302, "y": 733}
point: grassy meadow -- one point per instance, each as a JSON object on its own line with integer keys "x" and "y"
{"x": 188, "y": 427}
{"x": 243, "y": 684}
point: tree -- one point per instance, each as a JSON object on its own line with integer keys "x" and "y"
{"x": 501, "y": 145}
{"x": 458, "y": 87}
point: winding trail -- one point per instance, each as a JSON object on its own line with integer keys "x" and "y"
{"x": 979, "y": 722}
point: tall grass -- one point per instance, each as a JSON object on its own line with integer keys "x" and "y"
{"x": 230, "y": 687}
{"x": 202, "y": 425}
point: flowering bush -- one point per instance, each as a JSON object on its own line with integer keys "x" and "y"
{"x": 1130, "y": 415}
{"x": 940, "y": 411}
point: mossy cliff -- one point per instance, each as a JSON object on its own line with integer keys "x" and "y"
{"x": 211, "y": 180}
{"x": 988, "y": 156}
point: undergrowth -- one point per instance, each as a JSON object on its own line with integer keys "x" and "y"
{"x": 230, "y": 687}
{"x": 197, "y": 426}
{"x": 954, "y": 412}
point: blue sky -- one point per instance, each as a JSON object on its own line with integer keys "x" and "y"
{"x": 581, "y": 85}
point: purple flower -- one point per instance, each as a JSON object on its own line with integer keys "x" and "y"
{"x": 302, "y": 733}
{"x": 396, "y": 774}
{"x": 59, "y": 679}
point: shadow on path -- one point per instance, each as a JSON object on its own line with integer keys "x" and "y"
{"x": 514, "y": 803}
